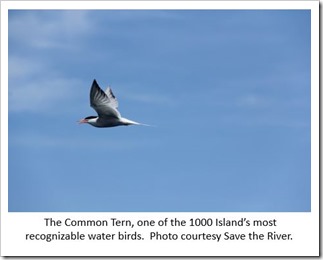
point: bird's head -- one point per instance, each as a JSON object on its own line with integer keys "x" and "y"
{"x": 88, "y": 120}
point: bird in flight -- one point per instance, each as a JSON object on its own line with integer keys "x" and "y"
{"x": 105, "y": 104}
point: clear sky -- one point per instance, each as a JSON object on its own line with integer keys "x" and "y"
{"x": 228, "y": 92}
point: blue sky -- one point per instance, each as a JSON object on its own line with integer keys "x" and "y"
{"x": 228, "y": 92}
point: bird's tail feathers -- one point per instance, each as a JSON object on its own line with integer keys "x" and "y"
{"x": 130, "y": 122}
{"x": 147, "y": 125}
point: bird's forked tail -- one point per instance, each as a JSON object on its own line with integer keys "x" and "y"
{"x": 126, "y": 121}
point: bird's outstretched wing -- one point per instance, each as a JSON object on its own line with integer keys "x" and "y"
{"x": 112, "y": 98}
{"x": 104, "y": 103}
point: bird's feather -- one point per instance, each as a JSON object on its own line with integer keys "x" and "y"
{"x": 104, "y": 103}
{"x": 112, "y": 98}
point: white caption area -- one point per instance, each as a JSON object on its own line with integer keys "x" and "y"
{"x": 160, "y": 234}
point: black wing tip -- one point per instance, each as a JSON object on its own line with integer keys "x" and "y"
{"x": 95, "y": 83}
{"x": 96, "y": 89}
{"x": 112, "y": 93}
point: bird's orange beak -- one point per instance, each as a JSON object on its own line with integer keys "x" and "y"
{"x": 82, "y": 121}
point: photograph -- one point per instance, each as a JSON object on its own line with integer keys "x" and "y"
{"x": 139, "y": 110}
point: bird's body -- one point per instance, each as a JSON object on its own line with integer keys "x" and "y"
{"x": 105, "y": 104}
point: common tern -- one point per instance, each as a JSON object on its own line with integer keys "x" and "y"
{"x": 105, "y": 104}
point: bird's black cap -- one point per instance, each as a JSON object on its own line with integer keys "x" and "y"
{"x": 90, "y": 117}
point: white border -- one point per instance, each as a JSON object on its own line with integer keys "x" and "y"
{"x": 304, "y": 226}
{"x": 166, "y": 5}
